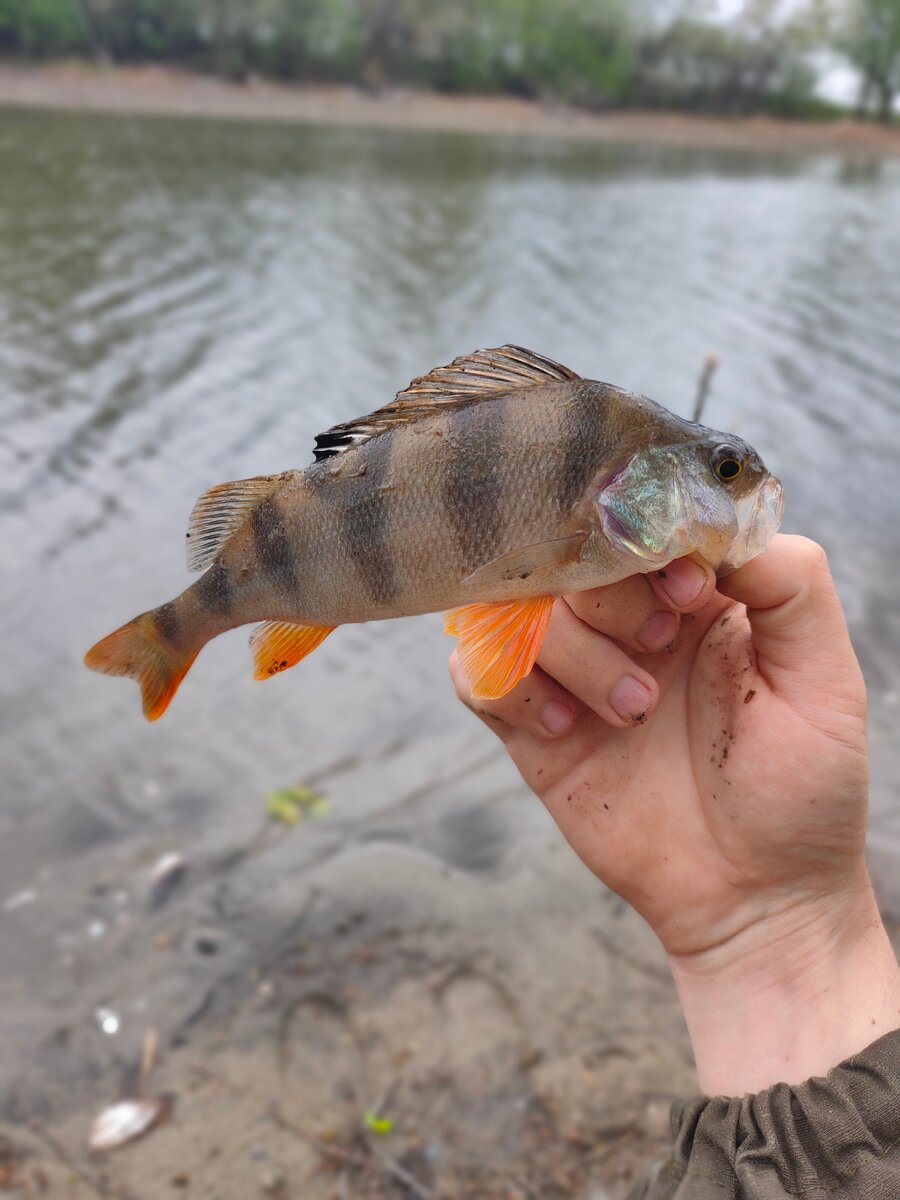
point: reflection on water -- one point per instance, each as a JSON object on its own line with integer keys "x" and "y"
{"x": 184, "y": 303}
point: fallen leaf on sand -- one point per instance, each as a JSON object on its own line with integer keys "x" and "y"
{"x": 377, "y": 1124}
{"x": 291, "y": 805}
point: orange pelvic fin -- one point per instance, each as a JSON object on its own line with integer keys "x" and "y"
{"x": 138, "y": 650}
{"x": 498, "y": 643}
{"x": 278, "y": 645}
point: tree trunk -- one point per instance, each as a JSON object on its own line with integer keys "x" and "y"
{"x": 862, "y": 103}
{"x": 885, "y": 102}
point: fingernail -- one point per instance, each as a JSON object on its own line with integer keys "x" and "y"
{"x": 658, "y": 630}
{"x": 630, "y": 698}
{"x": 556, "y": 718}
{"x": 682, "y": 581}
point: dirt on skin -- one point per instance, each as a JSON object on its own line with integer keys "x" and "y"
{"x": 162, "y": 90}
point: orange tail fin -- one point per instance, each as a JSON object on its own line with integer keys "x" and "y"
{"x": 139, "y": 650}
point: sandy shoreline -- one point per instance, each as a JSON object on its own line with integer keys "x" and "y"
{"x": 162, "y": 91}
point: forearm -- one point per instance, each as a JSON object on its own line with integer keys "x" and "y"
{"x": 792, "y": 995}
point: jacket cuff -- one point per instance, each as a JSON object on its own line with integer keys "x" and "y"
{"x": 822, "y": 1139}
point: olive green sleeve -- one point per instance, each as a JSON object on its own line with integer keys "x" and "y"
{"x": 836, "y": 1138}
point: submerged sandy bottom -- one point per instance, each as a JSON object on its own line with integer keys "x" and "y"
{"x": 512, "y": 1020}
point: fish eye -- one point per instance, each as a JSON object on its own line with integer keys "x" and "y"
{"x": 727, "y": 463}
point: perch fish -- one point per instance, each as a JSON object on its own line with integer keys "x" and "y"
{"x": 484, "y": 490}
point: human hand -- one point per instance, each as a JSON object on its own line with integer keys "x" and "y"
{"x": 727, "y": 801}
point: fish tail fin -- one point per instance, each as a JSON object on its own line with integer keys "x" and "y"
{"x": 144, "y": 650}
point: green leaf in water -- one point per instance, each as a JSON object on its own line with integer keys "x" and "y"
{"x": 376, "y": 1124}
{"x": 291, "y": 805}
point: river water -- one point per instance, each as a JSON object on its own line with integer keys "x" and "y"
{"x": 183, "y": 303}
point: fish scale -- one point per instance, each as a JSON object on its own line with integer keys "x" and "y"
{"x": 484, "y": 489}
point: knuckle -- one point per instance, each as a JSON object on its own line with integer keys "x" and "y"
{"x": 586, "y": 605}
{"x": 812, "y": 556}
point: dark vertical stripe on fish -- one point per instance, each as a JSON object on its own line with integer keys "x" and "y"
{"x": 167, "y": 622}
{"x": 365, "y": 520}
{"x": 272, "y": 545}
{"x": 214, "y": 589}
{"x": 587, "y": 444}
{"x": 472, "y": 491}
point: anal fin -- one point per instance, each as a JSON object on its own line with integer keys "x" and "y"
{"x": 498, "y": 643}
{"x": 277, "y": 645}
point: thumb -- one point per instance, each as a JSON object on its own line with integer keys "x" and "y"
{"x": 799, "y": 630}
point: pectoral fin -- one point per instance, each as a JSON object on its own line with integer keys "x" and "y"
{"x": 498, "y": 643}
{"x": 525, "y": 560}
{"x": 277, "y": 645}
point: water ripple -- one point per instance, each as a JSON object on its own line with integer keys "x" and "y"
{"x": 195, "y": 304}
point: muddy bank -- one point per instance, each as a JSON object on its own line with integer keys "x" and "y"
{"x": 160, "y": 90}
{"x": 512, "y": 1021}
{"x": 442, "y": 968}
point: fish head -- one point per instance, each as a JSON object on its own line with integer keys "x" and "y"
{"x": 710, "y": 494}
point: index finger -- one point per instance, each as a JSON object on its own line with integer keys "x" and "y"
{"x": 642, "y": 611}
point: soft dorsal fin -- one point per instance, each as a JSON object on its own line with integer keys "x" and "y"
{"x": 222, "y": 510}
{"x": 506, "y": 369}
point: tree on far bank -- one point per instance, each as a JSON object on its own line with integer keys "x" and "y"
{"x": 762, "y": 59}
{"x": 872, "y": 43}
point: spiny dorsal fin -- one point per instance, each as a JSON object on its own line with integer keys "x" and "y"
{"x": 506, "y": 369}
{"x": 222, "y": 510}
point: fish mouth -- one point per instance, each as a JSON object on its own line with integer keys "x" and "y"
{"x": 759, "y": 517}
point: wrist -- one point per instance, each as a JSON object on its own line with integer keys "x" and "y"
{"x": 796, "y": 991}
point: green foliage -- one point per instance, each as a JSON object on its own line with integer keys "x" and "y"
{"x": 871, "y": 40}
{"x": 9, "y": 24}
{"x": 45, "y": 28}
{"x": 757, "y": 62}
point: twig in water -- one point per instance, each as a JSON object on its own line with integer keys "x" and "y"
{"x": 347, "y": 1157}
{"x": 710, "y": 366}
{"x": 148, "y": 1059}
{"x": 400, "y": 1172}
